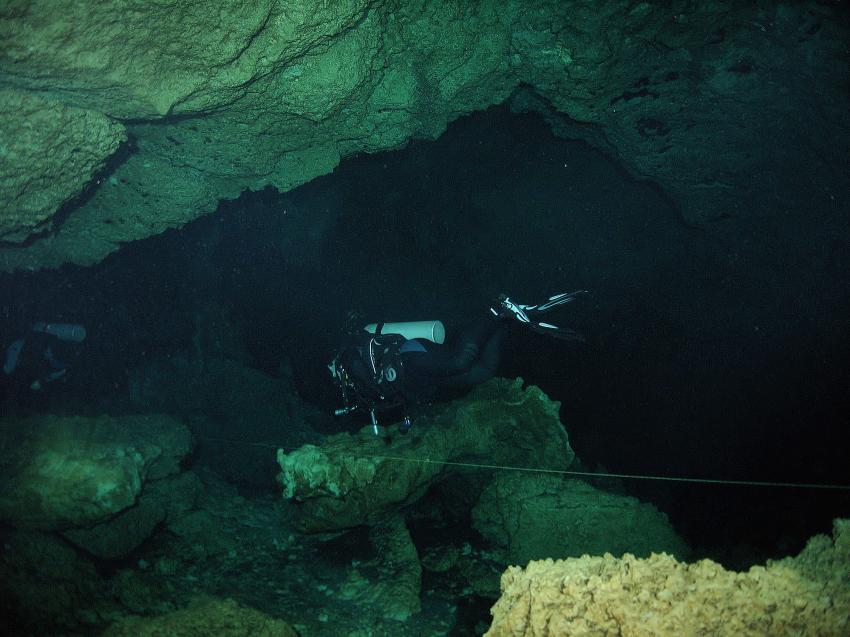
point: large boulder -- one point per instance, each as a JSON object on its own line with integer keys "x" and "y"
{"x": 161, "y": 501}
{"x": 359, "y": 479}
{"x": 535, "y": 516}
{"x": 46, "y": 587}
{"x": 659, "y": 596}
{"x": 61, "y": 472}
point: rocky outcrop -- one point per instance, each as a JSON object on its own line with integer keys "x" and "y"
{"x": 806, "y": 595}
{"x": 535, "y": 516}
{"x": 395, "y": 585}
{"x": 45, "y": 584}
{"x": 161, "y": 501}
{"x": 352, "y": 480}
{"x": 205, "y": 616}
{"x": 60, "y": 472}
{"x": 51, "y": 152}
{"x": 105, "y": 483}
{"x": 217, "y": 99}
{"x": 218, "y": 396}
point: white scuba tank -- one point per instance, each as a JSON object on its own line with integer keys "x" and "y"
{"x": 433, "y": 331}
{"x": 63, "y": 331}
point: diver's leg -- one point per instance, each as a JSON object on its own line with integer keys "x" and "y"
{"x": 477, "y": 343}
{"x": 485, "y": 365}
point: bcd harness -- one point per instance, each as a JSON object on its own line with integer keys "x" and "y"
{"x": 383, "y": 390}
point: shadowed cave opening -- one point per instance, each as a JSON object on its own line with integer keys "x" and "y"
{"x": 706, "y": 355}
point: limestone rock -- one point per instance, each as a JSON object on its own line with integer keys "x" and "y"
{"x": 44, "y": 584}
{"x": 351, "y": 480}
{"x": 205, "y": 616}
{"x": 701, "y": 99}
{"x": 140, "y": 594}
{"x": 49, "y": 153}
{"x": 533, "y": 516}
{"x": 390, "y": 583}
{"x": 120, "y": 535}
{"x": 201, "y": 533}
{"x": 658, "y": 596}
{"x": 217, "y": 396}
{"x": 160, "y": 501}
{"x": 399, "y": 567}
{"x": 59, "y": 472}
{"x": 481, "y": 573}
{"x": 439, "y": 559}
{"x": 143, "y": 61}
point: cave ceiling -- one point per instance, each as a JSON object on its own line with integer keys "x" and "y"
{"x": 120, "y": 119}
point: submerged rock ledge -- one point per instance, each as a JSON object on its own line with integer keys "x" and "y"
{"x": 363, "y": 479}
{"x": 659, "y": 596}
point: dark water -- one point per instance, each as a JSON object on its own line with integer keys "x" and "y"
{"x": 717, "y": 351}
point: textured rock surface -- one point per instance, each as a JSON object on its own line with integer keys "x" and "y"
{"x": 44, "y": 584}
{"x": 62, "y": 472}
{"x": 220, "y": 97}
{"x": 806, "y": 595}
{"x": 352, "y": 480}
{"x": 532, "y": 517}
{"x": 160, "y": 501}
{"x": 399, "y": 573}
{"x": 218, "y": 396}
{"x": 50, "y": 152}
{"x": 206, "y": 616}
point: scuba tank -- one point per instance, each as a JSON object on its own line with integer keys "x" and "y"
{"x": 68, "y": 332}
{"x": 433, "y": 331}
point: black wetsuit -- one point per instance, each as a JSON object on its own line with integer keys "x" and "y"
{"x": 41, "y": 359}
{"x": 419, "y": 366}
{"x": 471, "y": 358}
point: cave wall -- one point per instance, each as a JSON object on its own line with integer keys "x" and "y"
{"x": 123, "y": 119}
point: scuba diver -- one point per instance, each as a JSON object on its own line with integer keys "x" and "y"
{"x": 41, "y": 356}
{"x": 390, "y": 365}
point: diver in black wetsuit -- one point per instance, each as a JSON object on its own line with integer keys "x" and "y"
{"x": 40, "y": 357}
{"x": 389, "y": 365}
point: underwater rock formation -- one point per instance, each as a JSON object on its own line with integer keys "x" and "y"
{"x": 49, "y": 588}
{"x": 219, "y": 396}
{"x": 60, "y": 472}
{"x": 105, "y": 483}
{"x": 805, "y": 595}
{"x": 397, "y": 587}
{"x": 534, "y": 516}
{"x": 45, "y": 584}
{"x": 205, "y": 616}
{"x": 220, "y": 98}
{"x": 161, "y": 501}
{"x": 51, "y": 152}
{"x": 360, "y": 479}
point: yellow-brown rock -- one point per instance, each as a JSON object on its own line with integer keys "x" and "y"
{"x": 204, "y": 618}
{"x": 659, "y": 596}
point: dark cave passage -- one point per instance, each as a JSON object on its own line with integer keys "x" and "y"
{"x": 705, "y": 355}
